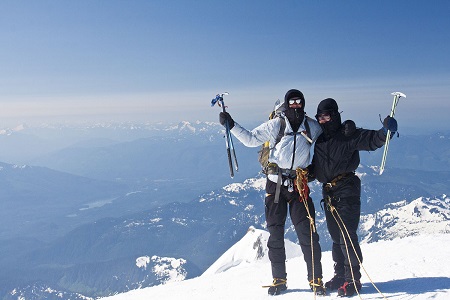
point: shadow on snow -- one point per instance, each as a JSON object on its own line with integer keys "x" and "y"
{"x": 419, "y": 285}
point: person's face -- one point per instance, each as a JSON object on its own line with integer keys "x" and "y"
{"x": 295, "y": 102}
{"x": 323, "y": 118}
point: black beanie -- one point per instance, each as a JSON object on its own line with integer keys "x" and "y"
{"x": 293, "y": 94}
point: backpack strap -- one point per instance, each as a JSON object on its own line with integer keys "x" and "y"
{"x": 280, "y": 176}
{"x": 281, "y": 132}
{"x": 283, "y": 127}
{"x": 308, "y": 131}
{"x": 278, "y": 188}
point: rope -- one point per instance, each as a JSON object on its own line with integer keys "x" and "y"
{"x": 333, "y": 209}
{"x": 302, "y": 186}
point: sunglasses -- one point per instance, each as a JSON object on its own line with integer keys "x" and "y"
{"x": 295, "y": 100}
{"x": 324, "y": 117}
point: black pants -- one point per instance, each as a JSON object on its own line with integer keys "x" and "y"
{"x": 276, "y": 214}
{"x": 349, "y": 210}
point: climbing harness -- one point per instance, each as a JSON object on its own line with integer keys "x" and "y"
{"x": 329, "y": 185}
{"x": 285, "y": 177}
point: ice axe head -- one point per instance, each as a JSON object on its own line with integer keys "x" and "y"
{"x": 218, "y": 98}
{"x": 399, "y": 94}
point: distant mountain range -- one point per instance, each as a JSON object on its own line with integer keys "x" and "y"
{"x": 41, "y": 203}
{"x": 24, "y": 145}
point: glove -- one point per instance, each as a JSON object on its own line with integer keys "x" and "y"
{"x": 389, "y": 123}
{"x": 348, "y": 128}
{"x": 311, "y": 174}
{"x": 225, "y": 117}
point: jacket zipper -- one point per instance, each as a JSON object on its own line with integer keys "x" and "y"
{"x": 293, "y": 154}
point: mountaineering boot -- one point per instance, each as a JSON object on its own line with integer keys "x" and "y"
{"x": 335, "y": 283}
{"x": 317, "y": 287}
{"x": 348, "y": 288}
{"x": 278, "y": 286}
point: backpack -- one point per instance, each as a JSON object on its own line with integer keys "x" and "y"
{"x": 263, "y": 153}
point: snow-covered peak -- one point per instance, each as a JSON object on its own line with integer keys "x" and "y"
{"x": 250, "y": 249}
{"x": 167, "y": 269}
{"x": 419, "y": 217}
{"x": 186, "y": 126}
{"x": 9, "y": 131}
{"x": 252, "y": 183}
{"x": 410, "y": 268}
{"x": 20, "y": 127}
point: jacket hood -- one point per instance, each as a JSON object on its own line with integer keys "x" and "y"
{"x": 333, "y": 126}
{"x": 293, "y": 93}
{"x": 294, "y": 115}
{"x": 327, "y": 105}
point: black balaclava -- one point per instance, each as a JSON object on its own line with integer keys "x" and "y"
{"x": 333, "y": 126}
{"x": 294, "y": 115}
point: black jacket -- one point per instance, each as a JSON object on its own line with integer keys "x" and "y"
{"x": 338, "y": 155}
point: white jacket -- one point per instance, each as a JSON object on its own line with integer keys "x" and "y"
{"x": 284, "y": 154}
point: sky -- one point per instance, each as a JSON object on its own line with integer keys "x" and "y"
{"x": 411, "y": 268}
{"x": 158, "y": 60}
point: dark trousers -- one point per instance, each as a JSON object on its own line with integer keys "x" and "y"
{"x": 276, "y": 214}
{"x": 349, "y": 210}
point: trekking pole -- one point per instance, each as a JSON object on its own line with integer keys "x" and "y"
{"x": 228, "y": 139}
{"x": 397, "y": 96}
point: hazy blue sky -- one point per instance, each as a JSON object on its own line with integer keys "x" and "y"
{"x": 165, "y": 60}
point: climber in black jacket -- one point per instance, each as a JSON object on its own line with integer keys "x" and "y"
{"x": 336, "y": 157}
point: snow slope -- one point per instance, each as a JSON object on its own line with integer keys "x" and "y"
{"x": 416, "y": 267}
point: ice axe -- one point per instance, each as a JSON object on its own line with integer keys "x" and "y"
{"x": 397, "y": 96}
{"x": 228, "y": 139}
